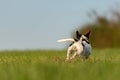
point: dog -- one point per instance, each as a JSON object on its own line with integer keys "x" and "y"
{"x": 80, "y": 46}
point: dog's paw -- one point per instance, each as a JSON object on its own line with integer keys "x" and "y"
{"x": 66, "y": 59}
{"x": 72, "y": 58}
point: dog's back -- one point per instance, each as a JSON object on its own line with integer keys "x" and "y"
{"x": 76, "y": 46}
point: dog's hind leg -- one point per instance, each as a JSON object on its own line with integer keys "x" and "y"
{"x": 69, "y": 51}
{"x": 74, "y": 55}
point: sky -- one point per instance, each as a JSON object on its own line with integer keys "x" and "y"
{"x": 38, "y": 24}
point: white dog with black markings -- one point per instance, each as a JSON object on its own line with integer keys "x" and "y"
{"x": 80, "y": 46}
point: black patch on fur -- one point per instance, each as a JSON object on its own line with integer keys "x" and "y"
{"x": 86, "y": 41}
{"x": 87, "y": 34}
{"x": 73, "y": 42}
{"x": 83, "y": 45}
{"x": 76, "y": 39}
{"x": 78, "y": 35}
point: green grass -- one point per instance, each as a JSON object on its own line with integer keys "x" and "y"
{"x": 50, "y": 65}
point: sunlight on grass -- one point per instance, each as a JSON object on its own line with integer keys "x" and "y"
{"x": 50, "y": 65}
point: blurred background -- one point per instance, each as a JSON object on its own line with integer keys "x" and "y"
{"x": 105, "y": 29}
{"x": 38, "y": 24}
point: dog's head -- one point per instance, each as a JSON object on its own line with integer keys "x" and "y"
{"x": 85, "y": 37}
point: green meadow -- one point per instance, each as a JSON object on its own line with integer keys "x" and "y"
{"x": 103, "y": 64}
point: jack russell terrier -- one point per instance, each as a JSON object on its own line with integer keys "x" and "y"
{"x": 80, "y": 46}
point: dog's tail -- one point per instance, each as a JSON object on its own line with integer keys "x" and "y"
{"x": 66, "y": 40}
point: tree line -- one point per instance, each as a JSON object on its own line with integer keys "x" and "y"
{"x": 105, "y": 31}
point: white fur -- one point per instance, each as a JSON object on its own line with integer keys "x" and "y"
{"x": 76, "y": 47}
{"x": 66, "y": 40}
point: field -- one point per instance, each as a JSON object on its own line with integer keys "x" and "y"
{"x": 50, "y": 65}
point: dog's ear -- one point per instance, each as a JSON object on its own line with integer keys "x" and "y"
{"x": 87, "y": 34}
{"x": 78, "y": 35}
